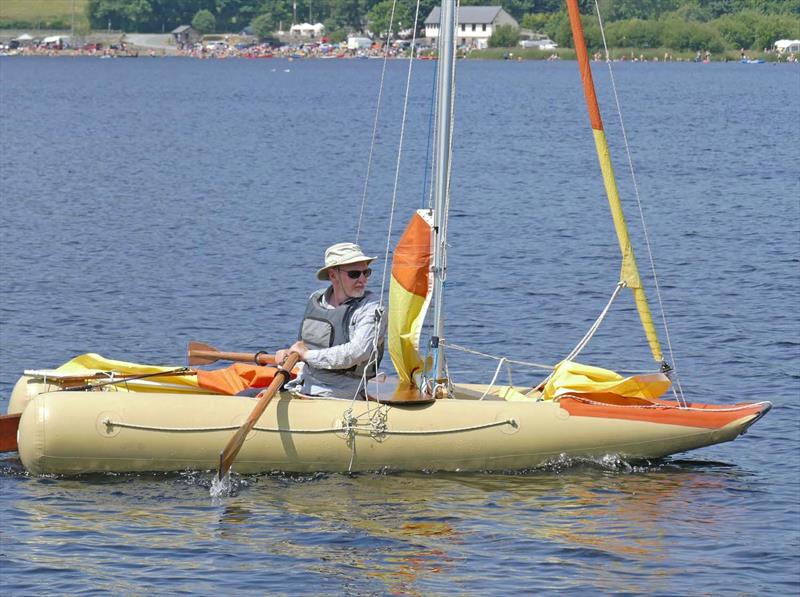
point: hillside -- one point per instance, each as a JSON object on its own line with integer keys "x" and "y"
{"x": 42, "y": 14}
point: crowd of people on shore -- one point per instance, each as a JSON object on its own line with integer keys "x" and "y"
{"x": 304, "y": 50}
{"x": 223, "y": 50}
{"x": 91, "y": 49}
{"x": 216, "y": 50}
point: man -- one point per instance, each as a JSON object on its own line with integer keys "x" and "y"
{"x": 338, "y": 331}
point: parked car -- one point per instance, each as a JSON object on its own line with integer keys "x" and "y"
{"x": 539, "y": 44}
{"x": 216, "y": 46}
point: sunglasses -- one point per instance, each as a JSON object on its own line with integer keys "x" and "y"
{"x": 355, "y": 274}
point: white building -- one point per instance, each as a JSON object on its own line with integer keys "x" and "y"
{"x": 308, "y": 30}
{"x": 788, "y": 46}
{"x": 475, "y": 24}
{"x": 358, "y": 43}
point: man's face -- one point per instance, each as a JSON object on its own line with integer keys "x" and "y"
{"x": 352, "y": 277}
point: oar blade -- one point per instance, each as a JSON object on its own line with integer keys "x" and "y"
{"x": 8, "y": 432}
{"x": 227, "y": 456}
{"x": 201, "y": 354}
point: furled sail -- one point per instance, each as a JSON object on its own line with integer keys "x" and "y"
{"x": 89, "y": 364}
{"x": 630, "y": 272}
{"x": 231, "y": 380}
{"x": 575, "y": 378}
{"x": 410, "y": 294}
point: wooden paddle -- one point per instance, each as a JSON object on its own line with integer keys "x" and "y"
{"x": 8, "y": 432}
{"x": 204, "y": 354}
{"x": 227, "y": 456}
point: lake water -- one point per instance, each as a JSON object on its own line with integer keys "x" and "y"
{"x": 150, "y": 202}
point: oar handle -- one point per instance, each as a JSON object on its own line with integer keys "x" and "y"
{"x": 205, "y": 354}
{"x": 283, "y": 374}
{"x": 260, "y": 358}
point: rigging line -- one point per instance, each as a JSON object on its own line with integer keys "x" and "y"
{"x": 386, "y": 268}
{"x": 403, "y": 119}
{"x": 428, "y": 157}
{"x": 450, "y": 153}
{"x": 529, "y": 364}
{"x": 494, "y": 379}
{"x": 641, "y": 211}
{"x": 375, "y": 124}
{"x": 496, "y": 358}
{"x": 596, "y": 325}
{"x": 590, "y": 333}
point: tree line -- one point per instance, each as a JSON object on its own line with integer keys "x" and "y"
{"x": 679, "y": 24}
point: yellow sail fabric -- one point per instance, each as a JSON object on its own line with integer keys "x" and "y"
{"x": 570, "y": 377}
{"x": 630, "y": 272}
{"x": 409, "y": 295}
{"x": 90, "y": 363}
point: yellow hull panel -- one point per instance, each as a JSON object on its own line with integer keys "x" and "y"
{"x": 80, "y": 432}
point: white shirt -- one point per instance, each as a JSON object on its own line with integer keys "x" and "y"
{"x": 319, "y": 376}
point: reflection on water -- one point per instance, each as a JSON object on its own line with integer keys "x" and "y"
{"x": 397, "y": 534}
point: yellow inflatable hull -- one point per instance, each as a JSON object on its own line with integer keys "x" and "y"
{"x": 97, "y": 431}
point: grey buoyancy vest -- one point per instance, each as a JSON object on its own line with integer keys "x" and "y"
{"x": 325, "y": 327}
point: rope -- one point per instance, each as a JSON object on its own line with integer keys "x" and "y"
{"x": 494, "y": 379}
{"x": 110, "y": 423}
{"x": 497, "y": 358}
{"x": 387, "y": 250}
{"x": 447, "y": 197}
{"x": 596, "y": 325}
{"x": 591, "y": 332}
{"x": 349, "y": 425}
{"x": 373, "y": 358}
{"x": 677, "y": 388}
{"x": 426, "y": 189}
{"x": 375, "y": 123}
{"x": 511, "y": 422}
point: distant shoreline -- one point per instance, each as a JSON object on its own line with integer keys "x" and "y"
{"x": 504, "y": 55}
{"x": 120, "y": 45}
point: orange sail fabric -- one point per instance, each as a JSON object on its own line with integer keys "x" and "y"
{"x": 410, "y": 294}
{"x": 236, "y": 378}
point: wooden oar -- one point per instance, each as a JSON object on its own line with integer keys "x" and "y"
{"x": 8, "y": 432}
{"x": 228, "y": 455}
{"x": 204, "y": 354}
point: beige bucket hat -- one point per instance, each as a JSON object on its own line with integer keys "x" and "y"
{"x": 342, "y": 254}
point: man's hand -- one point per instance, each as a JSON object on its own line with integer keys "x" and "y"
{"x": 299, "y": 347}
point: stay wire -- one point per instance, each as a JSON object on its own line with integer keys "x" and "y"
{"x": 380, "y": 314}
{"x": 679, "y": 393}
{"x": 386, "y": 268}
{"x": 375, "y": 122}
{"x": 426, "y": 189}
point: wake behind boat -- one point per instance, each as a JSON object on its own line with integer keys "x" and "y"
{"x": 92, "y": 414}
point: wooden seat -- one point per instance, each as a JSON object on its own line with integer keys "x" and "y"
{"x": 390, "y": 390}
